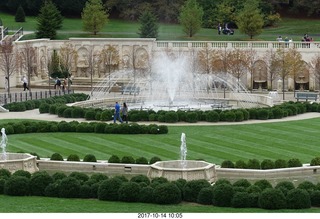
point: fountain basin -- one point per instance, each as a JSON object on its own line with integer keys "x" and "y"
{"x": 19, "y": 161}
{"x": 188, "y": 170}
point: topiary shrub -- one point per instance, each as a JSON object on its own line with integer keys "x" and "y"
{"x": 277, "y": 113}
{"x": 239, "y": 116}
{"x": 212, "y": 116}
{"x": 106, "y": 115}
{"x": 127, "y": 159}
{"x": 242, "y": 183}
{"x": 56, "y": 156}
{"x": 142, "y": 160}
{"x": 222, "y": 181}
{"x": 253, "y": 164}
{"x": 129, "y": 192}
{"x": 307, "y": 185}
{"x": 60, "y": 109}
{"x": 90, "y": 115}
{"x": 315, "y": 198}
{"x": 108, "y": 189}
{"x": 4, "y": 173}
{"x": 205, "y": 196}
{"x": 222, "y": 195}
{"x": 192, "y": 188}
{"x": 154, "y": 159}
{"x": 253, "y": 189}
{"x": 146, "y": 195}
{"x": 262, "y": 114}
{"x": 44, "y": 108}
{"x": 114, "y": 159}
{"x": 263, "y": 184}
{"x": 171, "y": 117}
{"x": 22, "y": 173}
{"x": 81, "y": 177}
{"x": 240, "y": 164}
{"x": 69, "y": 187}
{"x": 167, "y": 193}
{"x": 157, "y": 181}
{"x": 272, "y": 199}
{"x": 267, "y": 164}
{"x": 67, "y": 113}
{"x": 38, "y": 183}
{"x": 77, "y": 112}
{"x": 85, "y": 191}
{"x": 315, "y": 161}
{"x": 73, "y": 157}
{"x": 16, "y": 186}
{"x": 191, "y": 117}
{"x": 227, "y": 164}
{"x": 298, "y": 199}
{"x": 89, "y": 158}
{"x": 230, "y": 116}
{"x": 2, "y": 182}
{"x": 140, "y": 179}
{"x": 58, "y": 176}
{"x": 294, "y": 162}
{"x": 98, "y": 177}
{"x": 280, "y": 163}
{"x": 285, "y": 186}
{"x": 240, "y": 200}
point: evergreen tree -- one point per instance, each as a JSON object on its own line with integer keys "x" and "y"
{"x": 49, "y": 21}
{"x": 149, "y": 27}
{"x": 250, "y": 20}
{"x": 191, "y": 17}
{"x": 94, "y": 16}
{"x": 20, "y": 15}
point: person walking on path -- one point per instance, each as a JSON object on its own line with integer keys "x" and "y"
{"x": 124, "y": 112}
{"x": 25, "y": 83}
{"x": 117, "y": 113}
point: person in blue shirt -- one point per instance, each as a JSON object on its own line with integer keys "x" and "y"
{"x": 117, "y": 113}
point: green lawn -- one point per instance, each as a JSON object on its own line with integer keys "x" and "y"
{"x": 72, "y": 27}
{"x": 285, "y": 140}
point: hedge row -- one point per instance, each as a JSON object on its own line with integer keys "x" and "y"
{"x": 34, "y": 104}
{"x": 241, "y": 194}
{"x": 267, "y": 163}
{"x": 87, "y": 127}
{"x": 233, "y": 115}
{"x": 112, "y": 159}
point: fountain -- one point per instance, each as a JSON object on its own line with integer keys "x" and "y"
{"x": 16, "y": 161}
{"x": 183, "y": 169}
{"x": 173, "y": 83}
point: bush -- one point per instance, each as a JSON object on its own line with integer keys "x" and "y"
{"x": 38, "y": 183}
{"x": 56, "y": 156}
{"x": 230, "y": 116}
{"x": 272, "y": 199}
{"x": 263, "y": 184}
{"x": 191, "y": 117}
{"x": 69, "y": 187}
{"x": 239, "y": 116}
{"x": 129, "y": 192}
{"x": 242, "y": 183}
{"x": 280, "y": 164}
{"x": 17, "y": 186}
{"x": 262, "y": 114}
{"x": 52, "y": 190}
{"x": 140, "y": 179}
{"x": 171, "y": 117}
{"x": 85, "y": 191}
{"x": 4, "y": 173}
{"x": 240, "y": 200}
{"x": 307, "y": 185}
{"x": 108, "y": 189}
{"x": 22, "y": 173}
{"x": 2, "y": 182}
{"x": 315, "y": 198}
{"x": 127, "y": 159}
{"x": 90, "y": 115}
{"x": 192, "y": 188}
{"x": 98, "y": 177}
{"x": 253, "y": 189}
{"x": 89, "y": 158}
{"x": 146, "y": 194}
{"x": 77, "y": 112}
{"x": 67, "y": 113}
{"x": 240, "y": 164}
{"x": 212, "y": 116}
{"x": 253, "y": 164}
{"x": 298, "y": 199}
{"x": 222, "y": 195}
{"x": 73, "y": 157}
{"x": 141, "y": 160}
{"x": 58, "y": 176}
{"x": 222, "y": 181}
{"x": 285, "y": 186}
{"x": 81, "y": 177}
{"x": 154, "y": 159}
{"x": 114, "y": 159}
{"x": 167, "y": 193}
{"x": 44, "y": 108}
{"x": 294, "y": 162}
{"x": 205, "y": 196}
{"x": 227, "y": 164}
{"x": 315, "y": 161}
{"x": 267, "y": 164}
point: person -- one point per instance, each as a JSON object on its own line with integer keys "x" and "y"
{"x": 124, "y": 112}
{"x": 219, "y": 29}
{"x": 117, "y": 113}
{"x": 64, "y": 86}
{"x": 25, "y": 83}
{"x": 279, "y": 39}
{"x": 57, "y": 83}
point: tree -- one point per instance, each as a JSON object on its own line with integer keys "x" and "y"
{"x": 272, "y": 66}
{"x": 94, "y": 16}
{"x": 28, "y": 60}
{"x": 315, "y": 63}
{"x": 296, "y": 66}
{"x": 250, "y": 21}
{"x": 20, "y": 15}
{"x": 283, "y": 66}
{"x": 49, "y": 21}
{"x": 191, "y": 17}
{"x": 7, "y": 62}
{"x": 149, "y": 26}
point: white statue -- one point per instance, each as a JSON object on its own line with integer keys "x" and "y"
{"x": 3, "y": 143}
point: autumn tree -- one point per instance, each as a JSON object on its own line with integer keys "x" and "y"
{"x": 111, "y": 59}
{"x": 238, "y": 64}
{"x": 250, "y": 20}
{"x": 20, "y": 15}
{"x": 191, "y": 17}
{"x": 281, "y": 61}
{"x": 94, "y": 16}
{"x": 296, "y": 66}
{"x": 272, "y": 67}
{"x": 8, "y": 63}
{"x": 315, "y": 63}
{"x": 28, "y": 60}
